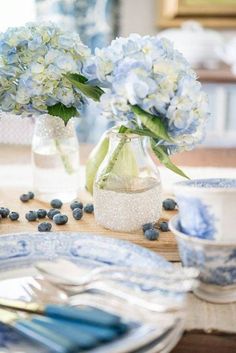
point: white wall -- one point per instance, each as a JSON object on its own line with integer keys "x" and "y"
{"x": 138, "y": 16}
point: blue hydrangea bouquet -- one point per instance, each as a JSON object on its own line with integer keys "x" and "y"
{"x": 34, "y": 61}
{"x": 142, "y": 83}
{"x": 150, "y": 90}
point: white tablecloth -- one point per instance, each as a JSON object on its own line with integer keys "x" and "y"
{"x": 21, "y": 175}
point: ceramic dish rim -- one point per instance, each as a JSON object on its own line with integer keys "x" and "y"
{"x": 204, "y": 190}
{"x": 84, "y": 233}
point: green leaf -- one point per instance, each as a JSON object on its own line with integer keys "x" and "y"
{"x": 138, "y": 131}
{"x": 79, "y": 81}
{"x": 152, "y": 122}
{"x": 77, "y": 77}
{"x": 165, "y": 159}
{"x": 63, "y": 112}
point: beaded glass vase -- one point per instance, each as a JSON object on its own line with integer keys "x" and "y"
{"x": 55, "y": 158}
{"x": 127, "y": 187}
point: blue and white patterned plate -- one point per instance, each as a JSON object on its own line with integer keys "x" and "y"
{"x": 18, "y": 252}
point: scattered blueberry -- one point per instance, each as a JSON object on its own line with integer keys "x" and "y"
{"x": 60, "y": 219}
{"x": 41, "y": 213}
{"x": 89, "y": 208}
{"x": 14, "y": 216}
{"x": 24, "y": 197}
{"x": 164, "y": 226}
{"x": 52, "y": 212}
{"x": 169, "y": 204}
{"x": 76, "y": 204}
{"x": 4, "y": 212}
{"x": 44, "y": 227}
{"x": 151, "y": 234}
{"x": 77, "y": 213}
{"x": 31, "y": 216}
{"x": 56, "y": 203}
{"x": 31, "y": 195}
{"x": 147, "y": 226}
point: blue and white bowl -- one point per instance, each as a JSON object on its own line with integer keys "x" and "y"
{"x": 207, "y": 208}
{"x": 215, "y": 260}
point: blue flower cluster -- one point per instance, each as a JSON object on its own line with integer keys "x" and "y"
{"x": 33, "y": 62}
{"x": 149, "y": 72}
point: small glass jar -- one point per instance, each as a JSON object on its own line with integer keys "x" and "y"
{"x": 55, "y": 159}
{"x": 127, "y": 187}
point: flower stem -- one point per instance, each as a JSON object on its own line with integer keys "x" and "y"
{"x": 112, "y": 161}
{"x": 64, "y": 158}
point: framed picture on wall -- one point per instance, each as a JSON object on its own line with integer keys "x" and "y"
{"x": 211, "y": 13}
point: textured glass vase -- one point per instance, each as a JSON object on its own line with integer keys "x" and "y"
{"x": 55, "y": 158}
{"x": 127, "y": 187}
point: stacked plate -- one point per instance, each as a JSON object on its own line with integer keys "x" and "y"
{"x": 150, "y": 331}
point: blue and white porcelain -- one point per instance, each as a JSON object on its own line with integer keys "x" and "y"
{"x": 207, "y": 208}
{"x": 215, "y": 260}
{"x": 18, "y": 253}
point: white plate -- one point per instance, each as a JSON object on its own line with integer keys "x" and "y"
{"x": 18, "y": 252}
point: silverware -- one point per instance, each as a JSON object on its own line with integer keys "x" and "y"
{"x": 110, "y": 291}
{"x": 42, "y": 291}
{"x": 155, "y": 343}
{"x": 67, "y": 270}
{"x": 75, "y": 277}
{"x": 153, "y": 301}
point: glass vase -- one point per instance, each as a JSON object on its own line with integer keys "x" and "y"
{"x": 55, "y": 159}
{"x": 127, "y": 187}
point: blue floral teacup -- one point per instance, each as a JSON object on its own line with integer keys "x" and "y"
{"x": 216, "y": 262}
{"x": 207, "y": 208}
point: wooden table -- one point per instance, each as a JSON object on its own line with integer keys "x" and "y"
{"x": 192, "y": 342}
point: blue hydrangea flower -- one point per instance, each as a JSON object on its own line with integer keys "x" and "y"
{"x": 149, "y": 72}
{"x": 33, "y": 61}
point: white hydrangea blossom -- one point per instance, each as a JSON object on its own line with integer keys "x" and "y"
{"x": 33, "y": 61}
{"x": 149, "y": 72}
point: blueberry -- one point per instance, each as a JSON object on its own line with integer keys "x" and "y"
{"x": 147, "y": 226}
{"x": 44, "y": 227}
{"x": 164, "y": 226}
{"x": 24, "y": 197}
{"x": 52, "y": 212}
{"x": 41, "y": 213}
{"x": 89, "y": 208}
{"x": 56, "y": 203}
{"x": 31, "y": 216}
{"x": 76, "y": 204}
{"x": 31, "y": 195}
{"x": 60, "y": 219}
{"x": 169, "y": 204}
{"x": 14, "y": 216}
{"x": 77, "y": 213}
{"x": 151, "y": 234}
{"x": 4, "y": 212}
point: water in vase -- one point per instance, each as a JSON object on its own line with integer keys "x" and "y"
{"x": 56, "y": 167}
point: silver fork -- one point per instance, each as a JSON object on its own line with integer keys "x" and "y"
{"x": 40, "y": 290}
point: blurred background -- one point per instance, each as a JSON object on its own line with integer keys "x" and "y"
{"x": 204, "y": 30}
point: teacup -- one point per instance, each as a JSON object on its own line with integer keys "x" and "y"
{"x": 207, "y": 208}
{"x": 215, "y": 260}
